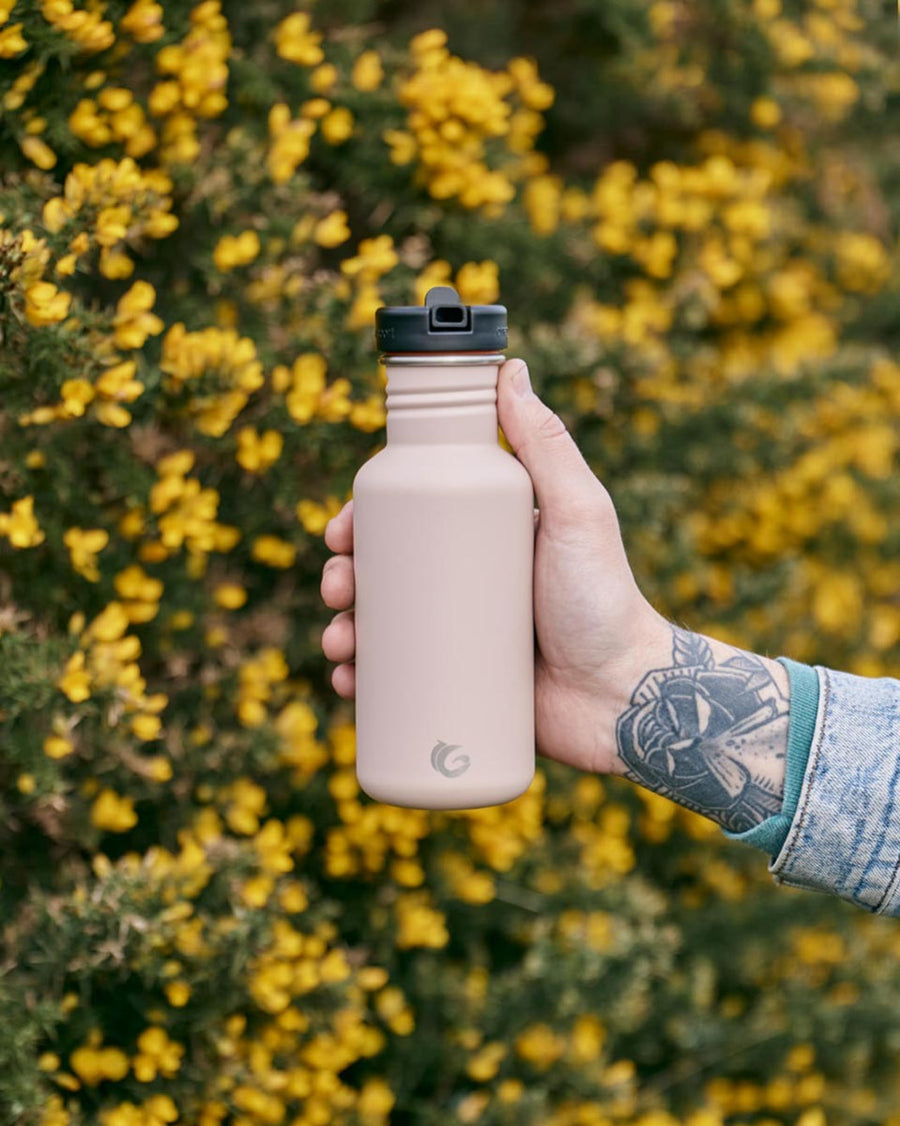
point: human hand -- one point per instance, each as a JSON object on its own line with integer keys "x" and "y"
{"x": 596, "y": 633}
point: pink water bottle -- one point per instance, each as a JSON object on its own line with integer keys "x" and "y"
{"x": 443, "y": 527}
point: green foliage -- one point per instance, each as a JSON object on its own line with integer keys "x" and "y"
{"x": 695, "y": 231}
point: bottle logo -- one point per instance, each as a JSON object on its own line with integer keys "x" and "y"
{"x": 439, "y": 755}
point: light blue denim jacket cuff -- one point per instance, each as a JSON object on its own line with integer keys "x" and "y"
{"x": 844, "y": 838}
{"x": 771, "y": 834}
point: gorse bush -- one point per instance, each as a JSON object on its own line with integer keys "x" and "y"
{"x": 692, "y": 213}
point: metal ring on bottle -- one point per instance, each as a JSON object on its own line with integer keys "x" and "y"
{"x": 455, "y": 359}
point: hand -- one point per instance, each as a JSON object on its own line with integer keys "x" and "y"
{"x": 596, "y": 633}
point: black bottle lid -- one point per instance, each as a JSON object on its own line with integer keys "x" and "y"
{"x": 442, "y": 324}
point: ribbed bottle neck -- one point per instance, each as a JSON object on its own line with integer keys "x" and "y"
{"x": 432, "y": 402}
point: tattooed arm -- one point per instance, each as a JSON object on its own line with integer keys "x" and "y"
{"x": 708, "y": 729}
{"x": 618, "y": 689}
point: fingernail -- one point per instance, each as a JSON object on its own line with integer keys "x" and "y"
{"x": 521, "y": 381}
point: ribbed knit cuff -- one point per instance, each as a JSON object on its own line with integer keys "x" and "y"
{"x": 770, "y": 834}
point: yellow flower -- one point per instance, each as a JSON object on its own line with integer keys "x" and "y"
{"x": 159, "y": 768}
{"x": 543, "y": 197}
{"x": 159, "y": 1110}
{"x": 372, "y": 977}
{"x": 765, "y": 112}
{"x": 143, "y": 21}
{"x": 419, "y": 923}
{"x": 110, "y": 624}
{"x": 455, "y": 110}
{"x": 838, "y": 602}
{"x": 117, "y": 383}
{"x": 113, "y": 813}
{"x": 92, "y": 1064}
{"x": 535, "y": 94}
{"x": 84, "y": 544}
{"x": 115, "y": 264}
{"x": 45, "y": 304}
{"x": 133, "y": 320}
{"x": 478, "y": 283}
{"x": 510, "y": 1090}
{"x": 257, "y": 675}
{"x": 12, "y": 42}
{"x": 863, "y": 264}
{"x": 402, "y": 145}
{"x": 314, "y": 517}
{"x": 178, "y": 993}
{"x": 365, "y": 305}
{"x": 83, "y": 26}
{"x": 791, "y": 46}
{"x": 158, "y": 1055}
{"x": 54, "y": 1113}
{"x": 146, "y": 727}
{"x": 834, "y": 93}
{"x": 332, "y": 230}
{"x": 76, "y": 394}
{"x": 367, "y": 72}
{"x": 368, "y": 415}
{"x": 293, "y": 899}
{"x": 315, "y": 108}
{"x": 540, "y": 1046}
{"x": 199, "y": 69}
{"x": 246, "y": 803}
{"x": 587, "y": 1038}
{"x": 75, "y": 681}
{"x": 466, "y": 882}
{"x": 112, "y": 224}
{"x": 394, "y": 1011}
{"x": 37, "y": 151}
{"x": 274, "y": 552}
{"x": 258, "y": 452}
{"x": 230, "y": 596}
{"x": 375, "y": 1101}
{"x": 290, "y": 142}
{"x": 89, "y": 125}
{"x": 376, "y": 257}
{"x": 256, "y": 890}
{"x": 57, "y": 746}
{"x": 273, "y": 848}
{"x": 306, "y": 381}
{"x": 323, "y": 78}
{"x": 236, "y": 250}
{"x": 189, "y": 356}
{"x": 20, "y": 525}
{"x": 295, "y": 41}
{"x": 337, "y": 126}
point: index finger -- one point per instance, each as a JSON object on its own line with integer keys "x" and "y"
{"x": 339, "y": 530}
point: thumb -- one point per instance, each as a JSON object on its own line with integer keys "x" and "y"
{"x": 563, "y": 481}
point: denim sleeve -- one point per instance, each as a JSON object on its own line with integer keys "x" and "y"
{"x": 844, "y": 837}
{"x": 771, "y": 834}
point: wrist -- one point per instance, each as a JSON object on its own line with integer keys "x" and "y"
{"x": 702, "y": 723}
{"x": 649, "y": 648}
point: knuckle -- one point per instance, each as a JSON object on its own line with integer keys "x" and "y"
{"x": 336, "y": 586}
{"x": 552, "y": 426}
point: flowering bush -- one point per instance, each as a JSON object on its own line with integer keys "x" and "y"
{"x": 689, "y": 212}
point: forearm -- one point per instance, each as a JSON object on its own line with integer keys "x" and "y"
{"x": 706, "y": 725}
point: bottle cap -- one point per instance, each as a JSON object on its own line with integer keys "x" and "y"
{"x": 442, "y": 324}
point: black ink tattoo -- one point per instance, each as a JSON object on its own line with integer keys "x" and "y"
{"x": 706, "y": 734}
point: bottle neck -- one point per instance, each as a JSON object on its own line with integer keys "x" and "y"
{"x": 432, "y": 402}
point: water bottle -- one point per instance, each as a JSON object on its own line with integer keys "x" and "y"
{"x": 443, "y": 555}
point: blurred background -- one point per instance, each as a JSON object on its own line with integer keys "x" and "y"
{"x": 691, "y": 211}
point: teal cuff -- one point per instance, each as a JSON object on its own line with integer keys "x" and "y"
{"x": 771, "y": 834}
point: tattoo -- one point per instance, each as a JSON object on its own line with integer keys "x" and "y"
{"x": 706, "y": 734}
